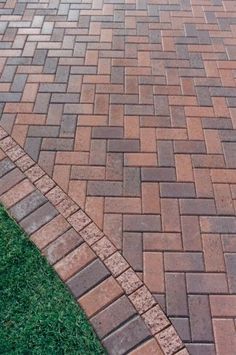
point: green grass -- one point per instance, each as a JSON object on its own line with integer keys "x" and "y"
{"x": 37, "y": 313}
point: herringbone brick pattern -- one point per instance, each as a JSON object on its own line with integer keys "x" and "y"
{"x": 130, "y": 106}
{"x": 123, "y": 312}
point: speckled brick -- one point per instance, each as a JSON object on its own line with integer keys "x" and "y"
{"x": 129, "y": 281}
{"x": 155, "y": 319}
{"x": 56, "y": 195}
{"x": 169, "y": 340}
{"x": 79, "y": 220}
{"x": 45, "y": 184}
{"x": 142, "y": 299}
{"x": 66, "y": 207}
{"x": 34, "y": 173}
{"x": 91, "y": 233}
{"x": 15, "y": 153}
{"x": 25, "y": 162}
{"x": 103, "y": 248}
{"x": 116, "y": 264}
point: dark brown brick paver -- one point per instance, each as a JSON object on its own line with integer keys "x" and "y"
{"x": 129, "y": 107}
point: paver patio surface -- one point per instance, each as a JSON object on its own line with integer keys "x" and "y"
{"x": 130, "y": 108}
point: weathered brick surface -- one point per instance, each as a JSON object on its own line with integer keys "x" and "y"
{"x": 126, "y": 337}
{"x": 62, "y": 246}
{"x": 27, "y": 205}
{"x": 130, "y": 108}
{"x": 112, "y": 316}
{"x": 100, "y": 296}
{"x": 74, "y": 261}
{"x": 87, "y": 278}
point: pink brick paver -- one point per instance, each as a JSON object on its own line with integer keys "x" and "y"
{"x": 125, "y": 112}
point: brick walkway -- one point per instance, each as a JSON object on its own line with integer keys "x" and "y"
{"x": 130, "y": 108}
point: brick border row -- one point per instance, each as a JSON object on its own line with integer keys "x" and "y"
{"x": 119, "y": 306}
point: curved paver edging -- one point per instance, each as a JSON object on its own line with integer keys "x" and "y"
{"x": 112, "y": 99}
{"x": 120, "y": 307}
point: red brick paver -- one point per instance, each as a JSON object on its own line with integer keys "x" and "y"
{"x": 122, "y": 310}
{"x": 129, "y": 107}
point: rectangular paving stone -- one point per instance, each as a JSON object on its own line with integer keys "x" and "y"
{"x": 43, "y": 131}
{"x": 200, "y": 318}
{"x": 182, "y": 327}
{"x": 223, "y": 305}
{"x": 16, "y": 193}
{"x": 52, "y": 87}
{"x": 165, "y": 153}
{"x": 132, "y": 250}
{"x": 123, "y": 145}
{"x": 10, "y": 179}
{"x": 158, "y": 174}
{"x": 63, "y": 144}
{"x": 185, "y": 261}
{"x": 191, "y": 234}
{"x": 73, "y": 262}
{"x": 87, "y": 278}
{"x": 104, "y": 188}
{"x": 107, "y": 132}
{"x": 143, "y": 223}
{"x": 18, "y": 83}
{"x": 179, "y": 190}
{"x": 161, "y": 105}
{"x": 5, "y": 166}
{"x": 97, "y": 152}
{"x": 113, "y": 316}
{"x": 32, "y": 147}
{"x": 230, "y": 262}
{"x": 122, "y": 205}
{"x": 197, "y": 207}
{"x": 65, "y": 98}
{"x": 189, "y": 147}
{"x": 131, "y": 334}
{"x": 230, "y": 154}
{"x": 27, "y": 205}
{"x": 100, "y": 296}
{"x": 41, "y": 103}
{"x": 62, "y": 245}
{"x": 131, "y": 183}
{"x": 176, "y": 295}
{"x": 206, "y": 283}
{"x": 162, "y": 241}
{"x": 170, "y": 215}
{"x": 87, "y": 172}
{"x": 139, "y": 110}
{"x": 68, "y": 126}
{"x": 218, "y": 224}
{"x": 153, "y": 271}
{"x": 38, "y": 218}
{"x": 50, "y": 231}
